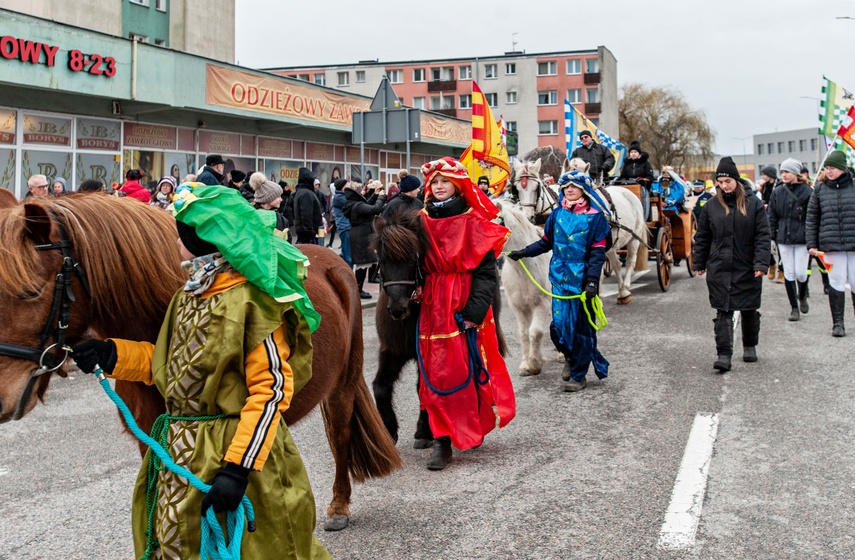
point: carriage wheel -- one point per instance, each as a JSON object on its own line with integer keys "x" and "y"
{"x": 607, "y": 268}
{"x": 664, "y": 259}
{"x": 689, "y": 259}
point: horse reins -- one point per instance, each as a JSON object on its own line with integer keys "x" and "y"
{"x": 541, "y": 188}
{"x": 415, "y": 283}
{"x": 60, "y": 311}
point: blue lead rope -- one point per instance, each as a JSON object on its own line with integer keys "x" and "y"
{"x": 476, "y": 364}
{"x": 214, "y": 543}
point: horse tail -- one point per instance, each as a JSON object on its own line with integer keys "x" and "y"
{"x": 642, "y": 257}
{"x": 372, "y": 450}
{"x": 497, "y": 314}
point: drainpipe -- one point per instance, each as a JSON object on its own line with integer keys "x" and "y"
{"x": 134, "y": 70}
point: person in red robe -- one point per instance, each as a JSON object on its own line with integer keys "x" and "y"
{"x": 464, "y": 385}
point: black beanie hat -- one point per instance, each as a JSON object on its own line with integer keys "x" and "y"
{"x": 409, "y": 183}
{"x": 726, "y": 168}
{"x": 339, "y": 184}
{"x": 769, "y": 171}
{"x": 483, "y": 179}
{"x": 283, "y": 184}
{"x": 585, "y": 133}
{"x": 635, "y": 145}
{"x": 192, "y": 242}
{"x": 238, "y": 176}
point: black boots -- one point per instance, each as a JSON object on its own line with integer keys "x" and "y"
{"x": 804, "y": 306}
{"x": 360, "y": 280}
{"x": 790, "y": 286}
{"x": 837, "y": 301}
{"x": 750, "y": 334}
{"x": 441, "y": 455}
{"x": 723, "y": 340}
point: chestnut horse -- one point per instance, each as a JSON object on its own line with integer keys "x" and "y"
{"x": 129, "y": 263}
{"x": 401, "y": 241}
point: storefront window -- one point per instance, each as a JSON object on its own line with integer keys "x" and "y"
{"x": 47, "y": 131}
{"x": 282, "y": 170}
{"x": 7, "y": 169}
{"x": 7, "y": 127}
{"x": 49, "y": 164}
{"x": 94, "y": 134}
{"x": 104, "y": 167}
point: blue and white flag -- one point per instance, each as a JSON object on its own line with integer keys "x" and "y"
{"x": 618, "y": 149}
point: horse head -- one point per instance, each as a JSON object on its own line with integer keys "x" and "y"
{"x": 7, "y": 199}
{"x": 400, "y": 241}
{"x": 526, "y": 184}
{"x": 57, "y": 263}
{"x": 577, "y": 164}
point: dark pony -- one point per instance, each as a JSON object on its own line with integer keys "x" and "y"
{"x": 401, "y": 242}
{"x": 133, "y": 269}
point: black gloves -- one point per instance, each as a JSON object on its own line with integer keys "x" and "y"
{"x": 227, "y": 489}
{"x": 95, "y": 352}
{"x": 592, "y": 290}
{"x": 516, "y": 255}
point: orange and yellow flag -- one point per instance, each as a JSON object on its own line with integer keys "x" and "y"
{"x": 487, "y": 154}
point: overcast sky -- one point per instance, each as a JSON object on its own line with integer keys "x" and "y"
{"x": 746, "y": 64}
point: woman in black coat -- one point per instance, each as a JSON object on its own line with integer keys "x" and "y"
{"x": 361, "y": 214}
{"x": 637, "y": 168}
{"x": 733, "y": 244}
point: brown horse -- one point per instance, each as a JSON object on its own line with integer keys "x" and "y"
{"x": 129, "y": 263}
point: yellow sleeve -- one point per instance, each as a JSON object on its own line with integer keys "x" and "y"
{"x": 271, "y": 385}
{"x": 134, "y": 361}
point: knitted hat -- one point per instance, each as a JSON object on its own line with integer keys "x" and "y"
{"x": 238, "y": 175}
{"x": 585, "y": 133}
{"x": 635, "y": 145}
{"x": 171, "y": 180}
{"x": 792, "y": 165}
{"x": 770, "y": 171}
{"x": 726, "y": 168}
{"x": 221, "y": 217}
{"x": 836, "y": 159}
{"x": 214, "y": 159}
{"x": 60, "y": 180}
{"x": 408, "y": 183}
{"x": 339, "y": 184}
{"x": 483, "y": 179}
{"x": 265, "y": 189}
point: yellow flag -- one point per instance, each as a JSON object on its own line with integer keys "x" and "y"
{"x": 487, "y": 154}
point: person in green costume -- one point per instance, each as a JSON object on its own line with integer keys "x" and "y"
{"x": 234, "y": 348}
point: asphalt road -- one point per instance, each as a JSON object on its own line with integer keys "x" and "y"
{"x": 586, "y": 475}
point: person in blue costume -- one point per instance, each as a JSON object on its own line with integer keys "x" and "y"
{"x": 578, "y": 234}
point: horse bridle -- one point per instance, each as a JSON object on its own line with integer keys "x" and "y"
{"x": 60, "y": 311}
{"x": 415, "y": 283}
{"x": 541, "y": 189}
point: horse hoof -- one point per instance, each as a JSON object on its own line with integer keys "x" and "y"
{"x": 624, "y": 300}
{"x": 336, "y": 523}
{"x": 420, "y": 443}
{"x": 527, "y": 373}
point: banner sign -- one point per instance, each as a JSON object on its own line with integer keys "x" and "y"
{"x": 449, "y": 131}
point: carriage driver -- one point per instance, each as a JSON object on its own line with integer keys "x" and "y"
{"x": 578, "y": 234}
{"x": 234, "y": 348}
{"x": 601, "y": 158}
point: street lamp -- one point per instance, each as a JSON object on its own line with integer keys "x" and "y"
{"x": 744, "y": 152}
{"x": 818, "y": 111}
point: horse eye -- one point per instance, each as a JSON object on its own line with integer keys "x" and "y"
{"x": 31, "y": 294}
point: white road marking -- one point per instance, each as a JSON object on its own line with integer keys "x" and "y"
{"x": 613, "y": 288}
{"x": 4, "y": 470}
{"x": 684, "y": 512}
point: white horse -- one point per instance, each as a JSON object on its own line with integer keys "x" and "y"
{"x": 537, "y": 201}
{"x": 627, "y": 232}
{"x": 532, "y": 308}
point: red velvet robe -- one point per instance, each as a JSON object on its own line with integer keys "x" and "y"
{"x": 458, "y": 244}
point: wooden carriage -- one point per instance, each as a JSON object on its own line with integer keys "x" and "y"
{"x": 669, "y": 235}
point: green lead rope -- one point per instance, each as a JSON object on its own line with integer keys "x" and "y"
{"x": 597, "y": 322}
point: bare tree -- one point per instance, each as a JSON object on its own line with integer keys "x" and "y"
{"x": 668, "y": 129}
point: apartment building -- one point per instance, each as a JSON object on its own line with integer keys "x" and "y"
{"x": 805, "y": 145}
{"x": 527, "y": 90}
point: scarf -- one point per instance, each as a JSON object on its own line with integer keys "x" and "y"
{"x": 441, "y": 203}
{"x": 203, "y": 271}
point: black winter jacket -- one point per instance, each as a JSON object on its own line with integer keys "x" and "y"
{"x": 830, "y": 224}
{"x": 307, "y": 210}
{"x": 361, "y": 214}
{"x": 600, "y": 158}
{"x": 210, "y": 177}
{"x": 402, "y": 203}
{"x": 638, "y": 169}
{"x": 787, "y": 212}
{"x": 485, "y": 277}
{"x": 730, "y": 247}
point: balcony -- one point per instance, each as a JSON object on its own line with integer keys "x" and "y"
{"x": 442, "y": 85}
{"x": 446, "y": 112}
{"x": 592, "y": 109}
{"x": 592, "y": 78}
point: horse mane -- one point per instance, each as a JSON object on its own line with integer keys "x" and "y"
{"x": 400, "y": 237}
{"x": 121, "y": 285}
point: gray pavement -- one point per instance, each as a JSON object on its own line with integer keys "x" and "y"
{"x": 586, "y": 475}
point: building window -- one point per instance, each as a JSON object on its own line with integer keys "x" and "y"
{"x": 574, "y": 95}
{"x": 464, "y": 73}
{"x": 140, "y": 2}
{"x": 780, "y": 147}
{"x": 802, "y": 145}
{"x": 492, "y": 99}
{"x": 574, "y": 67}
{"x": 791, "y": 146}
{"x": 439, "y": 102}
{"x": 465, "y": 102}
{"x": 813, "y": 146}
{"x": 759, "y": 149}
{"x": 418, "y": 102}
{"x": 343, "y": 79}
{"x": 321, "y": 79}
{"x": 592, "y": 66}
{"x": 442, "y": 74}
{"x": 395, "y": 76}
{"x": 770, "y": 148}
{"x": 547, "y": 68}
{"x": 490, "y": 72}
{"x": 511, "y": 126}
{"x": 160, "y": 5}
{"x": 360, "y": 76}
{"x": 510, "y": 97}
{"x": 546, "y": 128}
{"x": 510, "y": 68}
{"x": 304, "y": 77}
{"x": 547, "y": 97}
{"x": 813, "y": 166}
{"x": 592, "y": 95}
{"x": 418, "y": 74}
